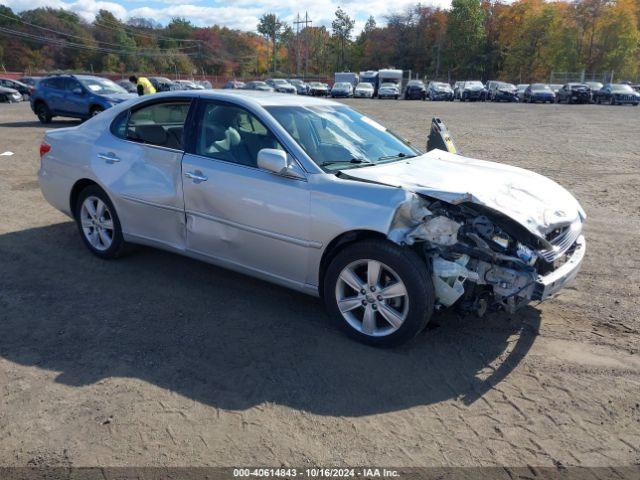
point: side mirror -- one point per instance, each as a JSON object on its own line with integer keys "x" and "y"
{"x": 276, "y": 161}
{"x": 273, "y": 160}
{"x": 77, "y": 91}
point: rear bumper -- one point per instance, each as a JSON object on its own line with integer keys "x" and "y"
{"x": 550, "y": 284}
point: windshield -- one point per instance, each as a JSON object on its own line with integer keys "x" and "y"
{"x": 280, "y": 82}
{"x": 337, "y": 137}
{"x": 388, "y": 84}
{"x": 621, "y": 88}
{"x": 537, "y": 87}
{"x": 365, "y": 86}
{"x": 442, "y": 86}
{"x": 342, "y": 85}
{"x": 102, "y": 86}
{"x": 473, "y": 84}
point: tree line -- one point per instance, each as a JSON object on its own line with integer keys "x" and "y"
{"x": 480, "y": 39}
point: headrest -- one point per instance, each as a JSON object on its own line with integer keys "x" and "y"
{"x": 154, "y": 134}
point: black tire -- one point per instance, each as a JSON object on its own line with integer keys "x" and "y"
{"x": 409, "y": 267}
{"x": 43, "y": 113}
{"x": 612, "y": 101}
{"x": 118, "y": 245}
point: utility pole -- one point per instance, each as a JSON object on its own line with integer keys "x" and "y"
{"x": 306, "y": 22}
{"x": 297, "y": 24}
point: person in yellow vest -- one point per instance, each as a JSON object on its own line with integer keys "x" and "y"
{"x": 144, "y": 86}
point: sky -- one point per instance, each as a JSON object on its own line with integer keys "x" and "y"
{"x": 238, "y": 14}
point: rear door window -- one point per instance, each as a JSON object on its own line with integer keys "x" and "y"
{"x": 160, "y": 124}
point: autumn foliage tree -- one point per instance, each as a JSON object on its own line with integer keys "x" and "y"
{"x": 520, "y": 41}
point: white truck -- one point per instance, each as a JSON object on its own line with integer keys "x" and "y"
{"x": 390, "y": 75}
{"x": 350, "y": 77}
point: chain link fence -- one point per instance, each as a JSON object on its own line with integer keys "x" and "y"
{"x": 566, "y": 77}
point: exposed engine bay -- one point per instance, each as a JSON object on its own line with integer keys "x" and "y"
{"x": 480, "y": 259}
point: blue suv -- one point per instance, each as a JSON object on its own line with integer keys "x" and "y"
{"x": 75, "y": 96}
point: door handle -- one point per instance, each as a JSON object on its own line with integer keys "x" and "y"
{"x": 110, "y": 157}
{"x": 196, "y": 176}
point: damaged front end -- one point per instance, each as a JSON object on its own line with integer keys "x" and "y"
{"x": 481, "y": 259}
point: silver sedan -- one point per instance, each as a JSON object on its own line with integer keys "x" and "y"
{"x": 312, "y": 195}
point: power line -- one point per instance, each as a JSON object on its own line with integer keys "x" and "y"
{"x": 107, "y": 24}
{"x": 83, "y": 38}
{"x": 66, "y": 44}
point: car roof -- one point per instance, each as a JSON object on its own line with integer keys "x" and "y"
{"x": 257, "y": 98}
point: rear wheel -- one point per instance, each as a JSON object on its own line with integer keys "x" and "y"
{"x": 379, "y": 293}
{"x": 98, "y": 223}
{"x": 43, "y": 113}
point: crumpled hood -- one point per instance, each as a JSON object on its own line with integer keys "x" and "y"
{"x": 535, "y": 202}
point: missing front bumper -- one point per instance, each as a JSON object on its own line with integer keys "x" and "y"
{"x": 550, "y": 284}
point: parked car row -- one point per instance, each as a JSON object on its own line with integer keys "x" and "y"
{"x": 293, "y": 86}
{"x": 84, "y": 96}
{"x": 573, "y": 92}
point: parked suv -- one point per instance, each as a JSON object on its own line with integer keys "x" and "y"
{"x": 574, "y": 93}
{"x": 281, "y": 85}
{"x": 75, "y": 96}
{"x": 472, "y": 90}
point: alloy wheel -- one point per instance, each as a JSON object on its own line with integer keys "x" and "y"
{"x": 372, "y": 298}
{"x": 97, "y": 223}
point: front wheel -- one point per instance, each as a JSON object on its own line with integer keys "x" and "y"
{"x": 43, "y": 113}
{"x": 98, "y": 223}
{"x": 379, "y": 293}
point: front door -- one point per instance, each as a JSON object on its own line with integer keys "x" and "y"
{"x": 243, "y": 216}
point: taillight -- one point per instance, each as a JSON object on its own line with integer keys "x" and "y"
{"x": 44, "y": 149}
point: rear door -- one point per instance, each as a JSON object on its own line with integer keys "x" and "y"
{"x": 54, "y": 94}
{"x": 76, "y": 98}
{"x": 139, "y": 159}
{"x": 244, "y": 217}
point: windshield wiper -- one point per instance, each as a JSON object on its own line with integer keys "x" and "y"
{"x": 399, "y": 155}
{"x": 353, "y": 160}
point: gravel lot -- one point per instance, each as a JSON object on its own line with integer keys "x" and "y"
{"x": 157, "y": 359}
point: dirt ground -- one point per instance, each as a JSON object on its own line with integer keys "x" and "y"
{"x": 156, "y": 359}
